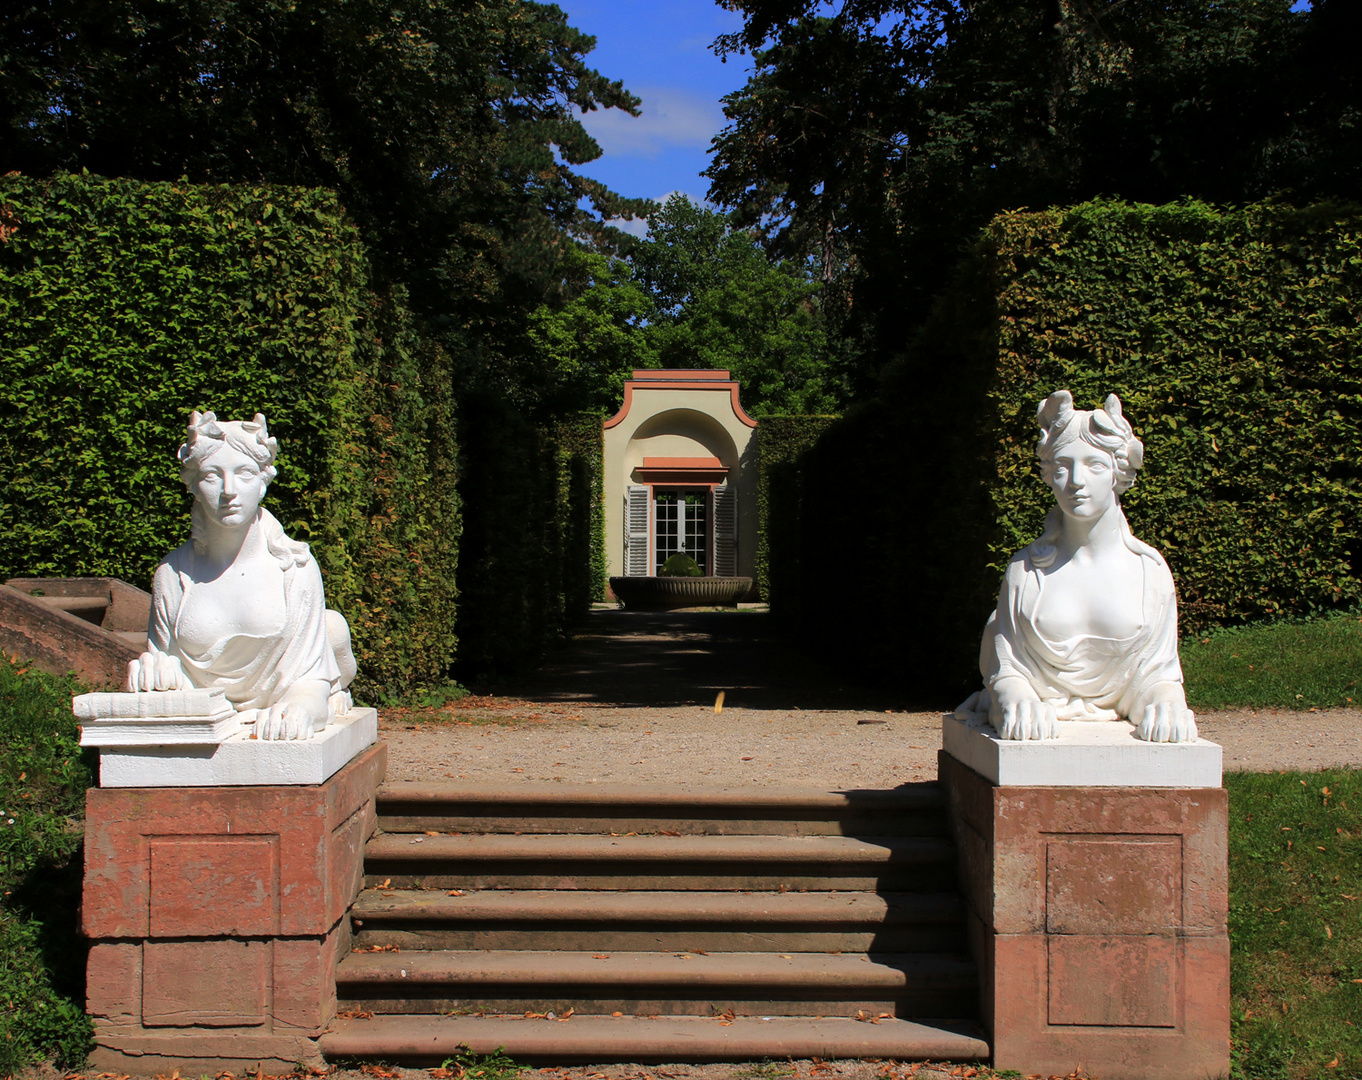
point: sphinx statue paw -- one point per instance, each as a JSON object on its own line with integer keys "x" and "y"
{"x": 155, "y": 670}
{"x": 1167, "y": 721}
{"x": 1028, "y": 720}
{"x": 286, "y": 720}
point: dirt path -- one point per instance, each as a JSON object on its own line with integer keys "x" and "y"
{"x": 632, "y": 699}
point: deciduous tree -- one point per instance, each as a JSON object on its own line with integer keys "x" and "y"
{"x": 878, "y": 136}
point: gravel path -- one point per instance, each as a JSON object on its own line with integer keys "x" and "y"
{"x": 632, "y": 700}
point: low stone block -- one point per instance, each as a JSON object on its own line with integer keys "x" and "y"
{"x": 211, "y": 983}
{"x": 204, "y": 1053}
{"x": 213, "y": 887}
{"x": 316, "y": 874}
{"x": 1097, "y": 918}
{"x": 1113, "y": 981}
{"x": 113, "y": 982}
{"x": 219, "y": 917}
{"x": 1113, "y": 885}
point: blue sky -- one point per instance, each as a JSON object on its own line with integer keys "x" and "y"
{"x": 661, "y": 49}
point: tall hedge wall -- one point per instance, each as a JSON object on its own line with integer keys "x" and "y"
{"x": 780, "y": 440}
{"x": 1232, "y": 338}
{"x": 533, "y": 545}
{"x": 125, "y": 304}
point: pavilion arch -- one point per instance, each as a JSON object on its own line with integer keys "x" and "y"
{"x": 680, "y": 475}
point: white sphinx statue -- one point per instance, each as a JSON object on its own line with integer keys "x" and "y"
{"x": 239, "y": 607}
{"x": 1086, "y": 623}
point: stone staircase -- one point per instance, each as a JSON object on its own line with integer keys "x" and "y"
{"x": 92, "y": 626}
{"x": 584, "y": 924}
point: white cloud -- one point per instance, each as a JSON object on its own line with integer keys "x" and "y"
{"x": 670, "y": 117}
{"x": 633, "y": 226}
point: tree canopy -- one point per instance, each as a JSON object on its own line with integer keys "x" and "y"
{"x": 877, "y": 136}
{"x": 695, "y": 293}
{"x": 451, "y": 131}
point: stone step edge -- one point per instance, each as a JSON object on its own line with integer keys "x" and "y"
{"x": 660, "y": 1040}
{"x": 720, "y": 800}
{"x": 659, "y": 908}
{"x": 661, "y": 971}
{"x": 743, "y": 849}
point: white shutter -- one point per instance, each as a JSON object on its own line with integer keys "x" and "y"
{"x": 636, "y": 531}
{"x": 725, "y": 531}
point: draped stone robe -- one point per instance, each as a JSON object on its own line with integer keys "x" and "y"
{"x": 257, "y": 665}
{"x": 1084, "y": 677}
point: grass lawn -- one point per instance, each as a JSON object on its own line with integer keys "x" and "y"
{"x": 1314, "y": 664}
{"x": 1296, "y": 924}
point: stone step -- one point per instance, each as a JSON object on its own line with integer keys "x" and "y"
{"x": 647, "y": 983}
{"x": 429, "y": 1040}
{"x": 652, "y": 921}
{"x": 89, "y": 608}
{"x": 911, "y": 810}
{"x": 763, "y": 863}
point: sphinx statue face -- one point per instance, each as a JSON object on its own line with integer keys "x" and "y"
{"x": 1083, "y": 479}
{"x": 230, "y": 486}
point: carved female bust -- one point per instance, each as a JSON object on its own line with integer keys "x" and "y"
{"x": 240, "y": 606}
{"x": 1086, "y": 622}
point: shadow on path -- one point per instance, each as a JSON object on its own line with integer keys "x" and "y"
{"x": 671, "y": 658}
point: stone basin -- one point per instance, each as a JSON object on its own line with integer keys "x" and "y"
{"x": 660, "y": 593}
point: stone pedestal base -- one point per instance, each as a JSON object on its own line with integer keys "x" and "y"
{"x": 217, "y": 916}
{"x": 1097, "y": 916}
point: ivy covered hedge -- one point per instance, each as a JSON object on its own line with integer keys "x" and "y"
{"x": 125, "y": 304}
{"x": 533, "y": 549}
{"x": 1233, "y": 340}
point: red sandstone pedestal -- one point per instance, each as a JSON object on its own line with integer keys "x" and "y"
{"x": 217, "y": 916}
{"x": 1097, "y": 916}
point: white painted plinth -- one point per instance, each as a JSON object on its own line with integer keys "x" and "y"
{"x": 240, "y": 760}
{"x": 1087, "y": 754}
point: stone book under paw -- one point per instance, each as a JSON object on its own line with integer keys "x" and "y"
{"x": 155, "y": 718}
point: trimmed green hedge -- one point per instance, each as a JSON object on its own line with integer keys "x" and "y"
{"x": 581, "y": 472}
{"x": 125, "y": 304}
{"x": 1232, "y": 338}
{"x": 780, "y": 441}
{"x": 533, "y": 544}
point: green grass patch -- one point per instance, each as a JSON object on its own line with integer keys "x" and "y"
{"x": 1304, "y": 665}
{"x": 1295, "y": 849}
{"x": 466, "y": 1065}
{"x": 43, "y": 777}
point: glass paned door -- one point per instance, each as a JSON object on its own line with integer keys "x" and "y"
{"x": 681, "y": 524}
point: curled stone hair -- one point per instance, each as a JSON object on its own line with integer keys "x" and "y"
{"x": 1105, "y": 428}
{"x": 204, "y": 436}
